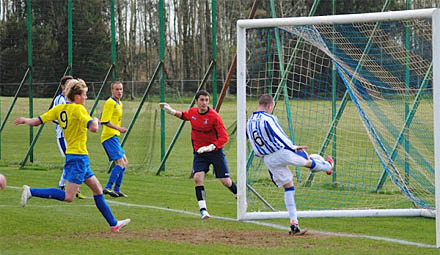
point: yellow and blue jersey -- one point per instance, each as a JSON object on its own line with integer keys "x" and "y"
{"x": 74, "y": 120}
{"x": 112, "y": 112}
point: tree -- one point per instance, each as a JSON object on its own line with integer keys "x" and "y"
{"x": 91, "y": 39}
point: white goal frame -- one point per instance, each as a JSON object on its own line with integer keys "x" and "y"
{"x": 242, "y": 25}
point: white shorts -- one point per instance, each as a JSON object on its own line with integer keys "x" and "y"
{"x": 278, "y": 163}
{"x": 62, "y": 146}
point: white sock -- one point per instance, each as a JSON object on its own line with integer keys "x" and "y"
{"x": 202, "y": 204}
{"x": 289, "y": 200}
{"x": 321, "y": 165}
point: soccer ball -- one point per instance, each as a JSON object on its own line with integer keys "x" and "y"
{"x": 2, "y": 181}
{"x": 316, "y": 156}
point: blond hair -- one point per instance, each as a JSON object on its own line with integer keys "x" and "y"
{"x": 75, "y": 87}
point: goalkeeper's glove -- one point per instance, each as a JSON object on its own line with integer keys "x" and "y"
{"x": 167, "y": 108}
{"x": 204, "y": 149}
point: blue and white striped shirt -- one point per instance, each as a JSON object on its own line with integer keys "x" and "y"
{"x": 266, "y": 135}
{"x": 60, "y": 99}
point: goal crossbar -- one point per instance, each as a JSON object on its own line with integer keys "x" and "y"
{"x": 337, "y": 19}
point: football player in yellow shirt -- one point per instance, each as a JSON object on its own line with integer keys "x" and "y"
{"x": 74, "y": 119}
{"x": 111, "y": 120}
{"x": 61, "y": 99}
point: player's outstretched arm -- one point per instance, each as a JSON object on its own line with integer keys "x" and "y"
{"x": 120, "y": 129}
{"x": 168, "y": 109}
{"x": 28, "y": 121}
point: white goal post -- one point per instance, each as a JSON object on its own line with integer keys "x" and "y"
{"x": 243, "y": 26}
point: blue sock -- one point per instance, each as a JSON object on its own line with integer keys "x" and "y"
{"x": 119, "y": 180}
{"x": 313, "y": 164}
{"x": 51, "y": 193}
{"x": 113, "y": 176}
{"x": 105, "y": 210}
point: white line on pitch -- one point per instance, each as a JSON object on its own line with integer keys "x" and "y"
{"x": 13, "y": 187}
{"x": 378, "y": 238}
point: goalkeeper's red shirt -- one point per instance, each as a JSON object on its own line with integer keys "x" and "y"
{"x": 206, "y": 128}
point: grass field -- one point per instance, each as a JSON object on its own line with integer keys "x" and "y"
{"x": 163, "y": 208}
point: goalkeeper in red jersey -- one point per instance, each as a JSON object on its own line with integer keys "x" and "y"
{"x": 208, "y": 136}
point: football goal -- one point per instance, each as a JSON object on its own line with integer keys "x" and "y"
{"x": 363, "y": 88}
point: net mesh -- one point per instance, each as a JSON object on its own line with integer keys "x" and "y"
{"x": 382, "y": 142}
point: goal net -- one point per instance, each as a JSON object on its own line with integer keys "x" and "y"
{"x": 356, "y": 87}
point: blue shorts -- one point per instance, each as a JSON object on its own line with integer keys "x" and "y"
{"x": 202, "y": 161}
{"x": 77, "y": 168}
{"x": 113, "y": 148}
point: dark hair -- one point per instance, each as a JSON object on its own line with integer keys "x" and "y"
{"x": 64, "y": 79}
{"x": 202, "y": 93}
{"x": 265, "y": 100}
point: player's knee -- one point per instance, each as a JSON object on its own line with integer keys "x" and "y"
{"x": 69, "y": 199}
{"x": 97, "y": 191}
{"x": 198, "y": 182}
{"x": 288, "y": 185}
{"x": 308, "y": 163}
{"x": 198, "y": 179}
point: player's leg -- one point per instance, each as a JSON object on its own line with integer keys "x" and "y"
{"x": 62, "y": 147}
{"x": 49, "y": 193}
{"x": 61, "y": 141}
{"x": 112, "y": 148}
{"x": 122, "y": 162}
{"x": 200, "y": 194}
{"x": 71, "y": 190}
{"x": 102, "y": 206}
{"x": 98, "y": 196}
{"x": 74, "y": 174}
{"x": 282, "y": 177}
{"x": 289, "y": 200}
{"x": 221, "y": 170}
{"x": 317, "y": 163}
{"x": 77, "y": 192}
{"x": 230, "y": 184}
{"x": 67, "y": 195}
{"x": 200, "y": 166}
{"x": 111, "y": 180}
{"x": 301, "y": 158}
